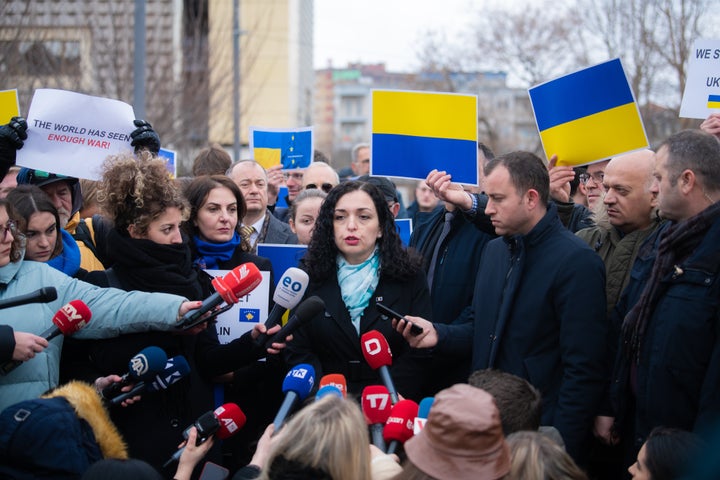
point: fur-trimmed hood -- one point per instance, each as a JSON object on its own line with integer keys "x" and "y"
{"x": 88, "y": 406}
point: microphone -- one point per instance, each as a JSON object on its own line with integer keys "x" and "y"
{"x": 328, "y": 390}
{"x": 399, "y": 425}
{"x": 68, "y": 320}
{"x": 336, "y": 380}
{"x": 176, "y": 368}
{"x": 297, "y": 385}
{"x": 376, "y": 407}
{"x": 288, "y": 294}
{"x": 226, "y": 420}
{"x": 240, "y": 281}
{"x": 422, "y": 416}
{"x": 376, "y": 351}
{"x": 309, "y": 308}
{"x": 142, "y": 367}
{"x": 42, "y": 295}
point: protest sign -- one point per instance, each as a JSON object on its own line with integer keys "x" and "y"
{"x": 242, "y": 317}
{"x": 71, "y": 134}
{"x": 702, "y": 86}
{"x": 9, "y": 105}
{"x": 588, "y": 115}
{"x": 415, "y": 132}
{"x": 291, "y": 148}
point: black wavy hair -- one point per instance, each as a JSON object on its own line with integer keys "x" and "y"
{"x": 395, "y": 261}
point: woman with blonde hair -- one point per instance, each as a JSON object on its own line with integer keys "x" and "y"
{"x": 325, "y": 440}
{"x": 533, "y": 456}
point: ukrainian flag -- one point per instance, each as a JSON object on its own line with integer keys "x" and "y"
{"x": 713, "y": 101}
{"x": 588, "y": 115}
{"x": 8, "y": 105}
{"x": 291, "y": 148}
{"x": 414, "y": 132}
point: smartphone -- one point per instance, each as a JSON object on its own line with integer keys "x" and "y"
{"x": 213, "y": 471}
{"x": 414, "y": 329}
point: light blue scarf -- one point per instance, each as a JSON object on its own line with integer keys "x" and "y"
{"x": 357, "y": 284}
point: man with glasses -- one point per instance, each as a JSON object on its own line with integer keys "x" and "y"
{"x": 592, "y": 179}
{"x": 320, "y": 175}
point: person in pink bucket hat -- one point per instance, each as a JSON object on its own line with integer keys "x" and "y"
{"x": 463, "y": 439}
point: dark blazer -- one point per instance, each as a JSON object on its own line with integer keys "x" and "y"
{"x": 538, "y": 312}
{"x": 330, "y": 343}
{"x": 278, "y": 232}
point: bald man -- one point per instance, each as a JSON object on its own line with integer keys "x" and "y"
{"x": 628, "y": 216}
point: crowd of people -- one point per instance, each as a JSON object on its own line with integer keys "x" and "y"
{"x": 569, "y": 318}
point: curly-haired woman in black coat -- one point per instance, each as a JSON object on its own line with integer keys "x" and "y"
{"x": 355, "y": 259}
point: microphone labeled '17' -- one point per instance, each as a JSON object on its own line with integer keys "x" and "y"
{"x": 296, "y": 386}
{"x": 376, "y": 351}
{"x": 240, "y": 281}
{"x": 376, "y": 407}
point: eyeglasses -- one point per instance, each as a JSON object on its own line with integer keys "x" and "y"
{"x": 8, "y": 227}
{"x": 597, "y": 177}
{"x": 325, "y": 187}
{"x": 294, "y": 175}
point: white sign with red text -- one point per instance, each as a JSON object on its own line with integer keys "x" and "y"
{"x": 71, "y": 133}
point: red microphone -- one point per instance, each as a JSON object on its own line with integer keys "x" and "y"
{"x": 69, "y": 319}
{"x": 224, "y": 422}
{"x": 376, "y": 408}
{"x": 237, "y": 283}
{"x": 337, "y": 380}
{"x": 231, "y": 420}
{"x": 376, "y": 351}
{"x": 399, "y": 425}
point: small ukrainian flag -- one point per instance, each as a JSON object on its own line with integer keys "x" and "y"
{"x": 713, "y": 101}
{"x": 588, "y": 115}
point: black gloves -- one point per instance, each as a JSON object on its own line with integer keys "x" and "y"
{"x": 11, "y": 140}
{"x": 144, "y": 137}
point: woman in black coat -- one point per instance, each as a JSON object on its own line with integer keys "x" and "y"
{"x": 153, "y": 255}
{"x": 355, "y": 259}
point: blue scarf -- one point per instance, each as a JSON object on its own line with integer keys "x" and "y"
{"x": 68, "y": 261}
{"x": 211, "y": 253}
{"x": 357, "y": 284}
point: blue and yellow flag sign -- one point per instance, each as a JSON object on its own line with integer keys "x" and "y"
{"x": 293, "y": 148}
{"x": 414, "y": 132}
{"x": 588, "y": 115}
{"x": 8, "y": 105}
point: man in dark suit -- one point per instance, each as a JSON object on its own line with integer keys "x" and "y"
{"x": 530, "y": 316}
{"x": 258, "y": 225}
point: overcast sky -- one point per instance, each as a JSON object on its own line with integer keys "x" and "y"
{"x": 373, "y": 31}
